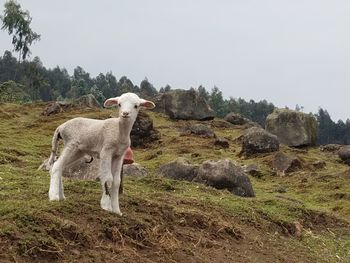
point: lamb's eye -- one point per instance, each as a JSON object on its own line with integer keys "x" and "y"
{"x": 119, "y": 105}
{"x": 136, "y": 106}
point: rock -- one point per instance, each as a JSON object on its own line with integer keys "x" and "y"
{"x": 198, "y": 129}
{"x": 221, "y": 142}
{"x": 180, "y": 169}
{"x": 134, "y": 170}
{"x": 253, "y": 170}
{"x": 88, "y": 101}
{"x": 297, "y": 229}
{"x": 143, "y": 131}
{"x": 284, "y": 164}
{"x": 257, "y": 140}
{"x": 293, "y": 128}
{"x": 75, "y": 252}
{"x": 224, "y": 174}
{"x": 319, "y": 164}
{"x": 330, "y": 148}
{"x": 184, "y": 105}
{"x": 236, "y": 119}
{"x": 52, "y": 108}
{"x": 344, "y": 154}
{"x": 84, "y": 169}
{"x": 281, "y": 189}
{"x": 88, "y": 169}
{"x": 221, "y": 124}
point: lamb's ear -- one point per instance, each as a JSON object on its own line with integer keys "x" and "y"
{"x": 111, "y": 102}
{"x": 147, "y": 104}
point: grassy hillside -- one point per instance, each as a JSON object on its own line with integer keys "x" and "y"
{"x": 165, "y": 220}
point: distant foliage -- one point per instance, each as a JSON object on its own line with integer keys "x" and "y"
{"x": 43, "y": 84}
{"x": 255, "y": 111}
{"x": 31, "y": 81}
{"x": 12, "y": 92}
{"x": 331, "y": 132}
{"x": 147, "y": 90}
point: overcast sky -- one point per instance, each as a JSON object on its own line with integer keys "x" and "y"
{"x": 285, "y": 51}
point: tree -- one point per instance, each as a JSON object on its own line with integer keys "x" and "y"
{"x": 8, "y": 65}
{"x": 217, "y": 102}
{"x": 147, "y": 90}
{"x": 98, "y": 94}
{"x": 59, "y": 81}
{"x": 11, "y": 91}
{"x": 126, "y": 85}
{"x": 112, "y": 84}
{"x": 203, "y": 92}
{"x": 17, "y": 23}
{"x": 326, "y": 127}
{"x": 36, "y": 85}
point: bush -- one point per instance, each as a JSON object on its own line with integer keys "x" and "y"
{"x": 11, "y": 91}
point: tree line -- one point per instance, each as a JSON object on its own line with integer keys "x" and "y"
{"x": 34, "y": 82}
{"x": 28, "y": 81}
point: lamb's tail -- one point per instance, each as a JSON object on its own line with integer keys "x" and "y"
{"x": 47, "y": 164}
{"x": 55, "y": 139}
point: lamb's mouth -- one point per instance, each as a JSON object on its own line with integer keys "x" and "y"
{"x": 126, "y": 117}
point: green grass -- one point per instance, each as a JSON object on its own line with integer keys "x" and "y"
{"x": 161, "y": 216}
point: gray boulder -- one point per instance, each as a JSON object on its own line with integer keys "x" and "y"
{"x": 237, "y": 119}
{"x": 221, "y": 142}
{"x": 184, "y": 105}
{"x": 134, "y": 170}
{"x": 88, "y": 169}
{"x": 253, "y": 170}
{"x": 224, "y": 174}
{"x": 320, "y": 164}
{"x": 332, "y": 148}
{"x": 143, "y": 131}
{"x": 197, "y": 129}
{"x": 52, "y": 108}
{"x": 344, "y": 154}
{"x": 257, "y": 140}
{"x": 84, "y": 169}
{"x": 87, "y": 101}
{"x": 284, "y": 164}
{"x": 180, "y": 169}
{"x": 293, "y": 128}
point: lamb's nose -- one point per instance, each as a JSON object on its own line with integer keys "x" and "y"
{"x": 125, "y": 113}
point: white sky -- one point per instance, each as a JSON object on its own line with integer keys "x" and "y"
{"x": 285, "y": 51}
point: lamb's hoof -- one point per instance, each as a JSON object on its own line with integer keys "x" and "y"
{"x": 107, "y": 208}
{"x": 46, "y": 166}
{"x": 118, "y": 213}
{"x": 106, "y": 203}
{"x": 56, "y": 198}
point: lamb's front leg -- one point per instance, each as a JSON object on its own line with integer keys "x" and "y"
{"x": 116, "y": 170}
{"x": 106, "y": 181}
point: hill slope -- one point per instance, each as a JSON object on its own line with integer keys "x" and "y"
{"x": 164, "y": 219}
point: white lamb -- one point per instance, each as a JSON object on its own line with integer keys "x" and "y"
{"x": 107, "y": 139}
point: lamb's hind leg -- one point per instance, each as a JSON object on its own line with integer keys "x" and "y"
{"x": 68, "y": 155}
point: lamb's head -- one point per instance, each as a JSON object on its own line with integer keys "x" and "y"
{"x": 129, "y": 105}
